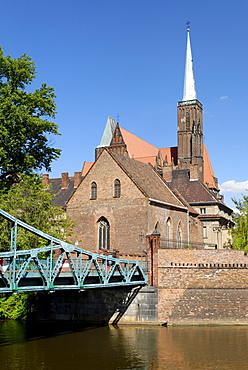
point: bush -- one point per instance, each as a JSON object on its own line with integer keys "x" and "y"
{"x": 17, "y": 306}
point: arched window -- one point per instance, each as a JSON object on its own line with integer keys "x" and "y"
{"x": 93, "y": 190}
{"x": 168, "y": 233}
{"x": 117, "y": 189}
{"x": 179, "y": 237}
{"x": 103, "y": 233}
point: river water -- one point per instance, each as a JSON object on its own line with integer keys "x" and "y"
{"x": 62, "y": 346}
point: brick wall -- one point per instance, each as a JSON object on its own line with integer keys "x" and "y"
{"x": 204, "y": 256}
{"x": 202, "y": 286}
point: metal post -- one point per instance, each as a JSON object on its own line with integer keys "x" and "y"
{"x": 13, "y": 249}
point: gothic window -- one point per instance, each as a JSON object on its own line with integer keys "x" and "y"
{"x": 179, "y": 237}
{"x": 93, "y": 190}
{"x": 168, "y": 233}
{"x": 103, "y": 233}
{"x": 117, "y": 189}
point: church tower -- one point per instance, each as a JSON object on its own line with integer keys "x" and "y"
{"x": 190, "y": 128}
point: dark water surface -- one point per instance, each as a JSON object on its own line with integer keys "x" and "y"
{"x": 49, "y": 346}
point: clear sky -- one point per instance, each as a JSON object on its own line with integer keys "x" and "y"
{"x": 126, "y": 57}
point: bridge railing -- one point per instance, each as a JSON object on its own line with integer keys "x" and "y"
{"x": 61, "y": 265}
{"x": 183, "y": 244}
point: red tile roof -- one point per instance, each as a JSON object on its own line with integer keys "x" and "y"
{"x": 141, "y": 150}
{"x": 138, "y": 148}
{"x": 208, "y": 170}
{"x": 86, "y": 167}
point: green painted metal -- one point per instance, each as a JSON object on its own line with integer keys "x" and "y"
{"x": 61, "y": 265}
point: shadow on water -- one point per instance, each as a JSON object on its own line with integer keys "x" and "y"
{"x": 12, "y": 332}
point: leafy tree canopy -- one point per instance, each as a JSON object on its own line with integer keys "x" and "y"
{"x": 24, "y": 124}
{"x": 30, "y": 201}
{"x": 240, "y": 231}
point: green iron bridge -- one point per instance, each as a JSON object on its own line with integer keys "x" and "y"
{"x": 61, "y": 266}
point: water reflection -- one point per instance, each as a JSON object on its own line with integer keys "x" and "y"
{"x": 55, "y": 347}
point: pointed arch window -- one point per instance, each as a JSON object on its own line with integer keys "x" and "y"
{"x": 103, "y": 233}
{"x": 168, "y": 225}
{"x": 93, "y": 190}
{"x": 117, "y": 188}
{"x": 179, "y": 237}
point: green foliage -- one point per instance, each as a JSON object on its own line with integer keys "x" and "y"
{"x": 240, "y": 231}
{"x": 16, "y": 306}
{"x": 24, "y": 145}
{"x": 30, "y": 201}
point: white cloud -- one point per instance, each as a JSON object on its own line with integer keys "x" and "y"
{"x": 224, "y": 97}
{"x": 233, "y": 186}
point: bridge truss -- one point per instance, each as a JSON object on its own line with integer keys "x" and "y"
{"x": 60, "y": 265}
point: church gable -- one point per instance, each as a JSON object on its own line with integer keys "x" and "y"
{"x": 118, "y": 144}
{"x": 104, "y": 175}
{"x": 124, "y": 199}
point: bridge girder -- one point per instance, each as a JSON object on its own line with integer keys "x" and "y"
{"x": 61, "y": 265}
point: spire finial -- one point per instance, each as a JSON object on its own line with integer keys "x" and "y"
{"x": 188, "y": 24}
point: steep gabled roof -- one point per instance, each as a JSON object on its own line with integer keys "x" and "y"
{"x": 208, "y": 169}
{"x": 86, "y": 167}
{"x": 61, "y": 195}
{"x": 192, "y": 211}
{"x": 170, "y": 154}
{"x": 148, "y": 180}
{"x": 194, "y": 191}
{"x": 138, "y": 148}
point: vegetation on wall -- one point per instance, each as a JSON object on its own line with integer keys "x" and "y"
{"x": 240, "y": 230}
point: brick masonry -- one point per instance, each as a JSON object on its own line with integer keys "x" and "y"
{"x": 202, "y": 286}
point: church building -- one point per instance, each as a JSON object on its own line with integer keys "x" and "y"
{"x": 134, "y": 189}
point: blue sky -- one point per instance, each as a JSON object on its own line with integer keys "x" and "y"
{"x": 126, "y": 57}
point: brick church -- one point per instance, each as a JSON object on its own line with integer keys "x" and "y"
{"x": 134, "y": 189}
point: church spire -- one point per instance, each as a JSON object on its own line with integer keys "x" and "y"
{"x": 189, "y": 116}
{"x": 189, "y": 91}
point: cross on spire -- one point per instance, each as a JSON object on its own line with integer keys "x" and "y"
{"x": 188, "y": 23}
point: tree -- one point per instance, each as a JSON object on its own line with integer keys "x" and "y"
{"x": 24, "y": 125}
{"x": 240, "y": 231}
{"x": 31, "y": 202}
